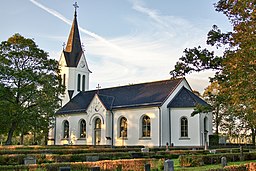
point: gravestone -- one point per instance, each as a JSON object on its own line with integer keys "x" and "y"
{"x": 29, "y": 160}
{"x": 241, "y": 153}
{"x": 65, "y": 169}
{"x": 168, "y": 165}
{"x": 145, "y": 150}
{"x": 223, "y": 161}
{"x": 95, "y": 168}
{"x": 92, "y": 158}
{"x": 147, "y": 167}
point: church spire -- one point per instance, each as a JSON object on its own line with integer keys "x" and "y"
{"x": 73, "y": 50}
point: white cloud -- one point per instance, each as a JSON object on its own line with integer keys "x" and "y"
{"x": 146, "y": 55}
{"x": 149, "y": 54}
{"x": 64, "y": 19}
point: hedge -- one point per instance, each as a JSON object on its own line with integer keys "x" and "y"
{"x": 199, "y": 160}
{"x": 64, "y": 150}
{"x": 17, "y": 159}
{"x": 125, "y": 165}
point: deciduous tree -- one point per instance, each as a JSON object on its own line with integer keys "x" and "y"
{"x": 29, "y": 84}
{"x": 236, "y": 69}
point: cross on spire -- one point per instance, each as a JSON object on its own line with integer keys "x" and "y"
{"x": 63, "y": 45}
{"x": 75, "y": 6}
{"x": 98, "y": 87}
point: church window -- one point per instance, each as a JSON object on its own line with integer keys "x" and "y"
{"x": 98, "y": 123}
{"x": 65, "y": 129}
{"x": 184, "y": 127}
{"x": 205, "y": 124}
{"x": 64, "y": 79}
{"x": 123, "y": 127}
{"x": 82, "y": 128}
{"x": 146, "y": 126}
{"x": 97, "y": 131}
{"x": 78, "y": 82}
{"x": 83, "y": 83}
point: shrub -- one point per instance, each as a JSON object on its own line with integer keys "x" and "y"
{"x": 197, "y": 160}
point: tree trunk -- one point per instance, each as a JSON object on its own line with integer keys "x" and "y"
{"x": 22, "y": 138}
{"x": 45, "y": 138}
{"x": 10, "y": 134}
{"x": 217, "y": 120}
{"x": 253, "y": 136}
{"x": 217, "y": 128}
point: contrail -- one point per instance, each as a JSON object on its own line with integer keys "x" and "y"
{"x": 61, "y": 17}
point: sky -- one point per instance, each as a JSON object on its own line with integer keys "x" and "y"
{"x": 125, "y": 41}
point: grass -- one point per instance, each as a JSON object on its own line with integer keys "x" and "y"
{"x": 206, "y": 167}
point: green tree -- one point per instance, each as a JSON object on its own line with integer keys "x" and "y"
{"x": 29, "y": 86}
{"x": 215, "y": 99}
{"x": 236, "y": 69}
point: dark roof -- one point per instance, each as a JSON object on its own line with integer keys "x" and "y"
{"x": 145, "y": 94}
{"x": 73, "y": 51}
{"x": 186, "y": 98}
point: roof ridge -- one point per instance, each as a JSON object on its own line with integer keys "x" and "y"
{"x": 139, "y": 83}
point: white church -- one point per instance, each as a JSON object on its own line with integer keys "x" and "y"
{"x": 149, "y": 114}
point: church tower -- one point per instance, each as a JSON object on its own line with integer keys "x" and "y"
{"x": 73, "y": 66}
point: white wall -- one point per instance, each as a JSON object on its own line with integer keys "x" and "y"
{"x": 134, "y": 131}
{"x": 133, "y": 116}
{"x": 89, "y": 116}
{"x": 193, "y": 138}
{"x": 72, "y": 76}
{"x": 165, "y": 119}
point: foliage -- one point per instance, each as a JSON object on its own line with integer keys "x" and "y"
{"x": 209, "y": 159}
{"x": 213, "y": 140}
{"x": 196, "y": 60}
{"x": 236, "y": 69}
{"x": 29, "y": 86}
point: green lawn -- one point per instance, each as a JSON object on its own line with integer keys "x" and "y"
{"x": 206, "y": 167}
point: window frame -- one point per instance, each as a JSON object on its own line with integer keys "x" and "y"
{"x": 65, "y": 129}
{"x": 83, "y": 83}
{"x": 79, "y": 82}
{"x": 124, "y": 128}
{"x": 184, "y": 127}
{"x": 146, "y": 127}
{"x": 82, "y": 129}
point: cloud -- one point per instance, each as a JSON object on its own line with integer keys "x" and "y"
{"x": 64, "y": 19}
{"x": 146, "y": 55}
{"x": 149, "y": 53}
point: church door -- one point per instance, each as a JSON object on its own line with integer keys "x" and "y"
{"x": 97, "y": 131}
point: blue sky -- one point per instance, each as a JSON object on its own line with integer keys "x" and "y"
{"x": 125, "y": 41}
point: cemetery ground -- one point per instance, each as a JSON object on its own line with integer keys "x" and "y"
{"x": 76, "y": 158}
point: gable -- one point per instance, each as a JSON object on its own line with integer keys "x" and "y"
{"x": 62, "y": 61}
{"x": 82, "y": 63}
{"x": 95, "y": 105}
{"x": 185, "y": 98}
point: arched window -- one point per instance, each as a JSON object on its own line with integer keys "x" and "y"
{"x": 123, "y": 127}
{"x": 78, "y": 82}
{"x": 184, "y": 127}
{"x": 205, "y": 124}
{"x": 82, "y": 128}
{"x": 64, "y": 80}
{"x": 83, "y": 83}
{"x": 97, "y": 123}
{"x": 65, "y": 129}
{"x": 146, "y": 126}
{"x": 97, "y": 131}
